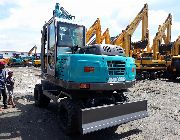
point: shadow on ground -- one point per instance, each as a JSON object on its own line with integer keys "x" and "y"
{"x": 28, "y": 122}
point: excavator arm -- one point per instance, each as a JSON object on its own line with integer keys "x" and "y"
{"x": 124, "y": 39}
{"x": 119, "y": 39}
{"x": 33, "y": 49}
{"x": 106, "y": 37}
{"x": 161, "y": 35}
{"x": 142, "y": 16}
{"x": 60, "y": 12}
{"x": 94, "y": 29}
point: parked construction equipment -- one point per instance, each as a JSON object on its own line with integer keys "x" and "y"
{"x": 159, "y": 50}
{"x": 17, "y": 60}
{"x": 176, "y": 47}
{"x": 95, "y": 30}
{"x": 173, "y": 69}
{"x": 153, "y": 64}
{"x": 4, "y": 60}
{"x": 87, "y": 82}
{"x": 147, "y": 67}
{"x": 35, "y": 59}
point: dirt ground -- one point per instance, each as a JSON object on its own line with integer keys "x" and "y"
{"x": 29, "y": 122}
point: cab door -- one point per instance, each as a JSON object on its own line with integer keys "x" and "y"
{"x": 51, "y": 51}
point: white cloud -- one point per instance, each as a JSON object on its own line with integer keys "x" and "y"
{"x": 2, "y": 2}
{"x": 21, "y": 30}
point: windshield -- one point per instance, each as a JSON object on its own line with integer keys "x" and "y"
{"x": 70, "y": 35}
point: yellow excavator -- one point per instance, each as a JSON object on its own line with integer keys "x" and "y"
{"x": 95, "y": 29}
{"x": 35, "y": 58}
{"x": 153, "y": 64}
{"x": 173, "y": 69}
{"x": 146, "y": 66}
{"x": 176, "y": 47}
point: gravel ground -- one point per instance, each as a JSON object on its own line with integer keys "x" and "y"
{"x": 29, "y": 122}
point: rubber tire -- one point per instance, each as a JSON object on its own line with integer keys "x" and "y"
{"x": 70, "y": 111}
{"x": 40, "y": 99}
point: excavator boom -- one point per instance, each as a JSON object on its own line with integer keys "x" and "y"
{"x": 95, "y": 29}
{"x": 106, "y": 37}
{"x": 32, "y": 49}
{"x": 124, "y": 39}
{"x": 161, "y": 35}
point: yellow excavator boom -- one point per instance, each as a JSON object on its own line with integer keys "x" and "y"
{"x": 32, "y": 49}
{"x": 106, "y": 37}
{"x": 95, "y": 29}
{"x": 161, "y": 35}
{"x": 124, "y": 39}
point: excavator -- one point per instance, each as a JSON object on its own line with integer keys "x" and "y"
{"x": 148, "y": 66}
{"x": 153, "y": 64}
{"x": 176, "y": 47}
{"x": 173, "y": 68}
{"x": 34, "y": 58}
{"x": 144, "y": 60}
{"x": 95, "y": 29}
{"x": 166, "y": 54}
{"x": 17, "y": 60}
{"x": 85, "y": 81}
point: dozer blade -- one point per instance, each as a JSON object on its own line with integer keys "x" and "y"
{"x": 107, "y": 116}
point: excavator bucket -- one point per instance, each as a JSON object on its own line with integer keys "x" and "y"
{"x": 111, "y": 115}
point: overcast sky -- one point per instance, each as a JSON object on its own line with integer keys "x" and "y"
{"x": 21, "y": 20}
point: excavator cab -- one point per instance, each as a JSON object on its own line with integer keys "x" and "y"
{"x": 62, "y": 38}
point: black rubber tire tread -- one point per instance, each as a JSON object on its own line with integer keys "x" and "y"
{"x": 40, "y": 99}
{"x": 72, "y": 122}
{"x": 36, "y": 95}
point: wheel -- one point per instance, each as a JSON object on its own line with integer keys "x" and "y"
{"x": 153, "y": 75}
{"x": 120, "y": 97}
{"x": 40, "y": 99}
{"x": 138, "y": 76}
{"x": 69, "y": 116}
{"x": 173, "y": 77}
{"x": 146, "y": 75}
